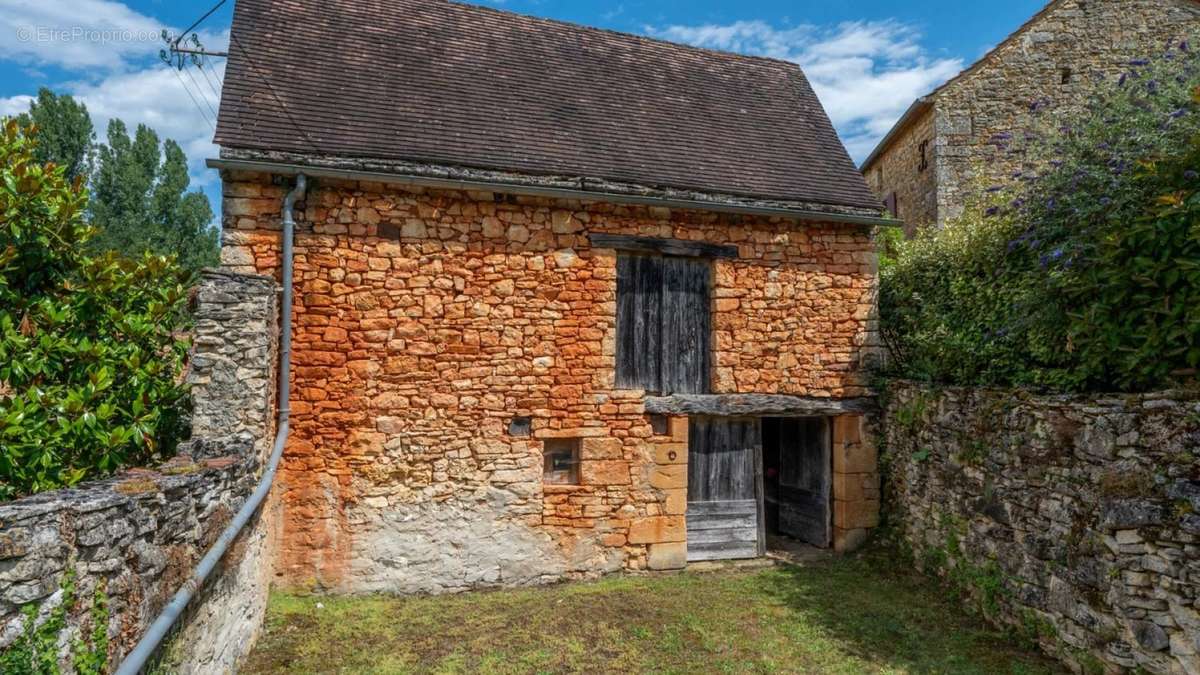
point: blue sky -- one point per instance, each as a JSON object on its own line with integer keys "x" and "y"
{"x": 867, "y": 59}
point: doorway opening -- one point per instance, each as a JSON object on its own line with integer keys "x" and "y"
{"x": 797, "y": 478}
{"x": 750, "y": 478}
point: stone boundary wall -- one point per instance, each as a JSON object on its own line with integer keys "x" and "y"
{"x": 1075, "y": 521}
{"x": 135, "y": 538}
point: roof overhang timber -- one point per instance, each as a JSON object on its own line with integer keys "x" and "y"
{"x": 551, "y": 187}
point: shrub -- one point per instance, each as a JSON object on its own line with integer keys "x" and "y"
{"x": 1083, "y": 270}
{"x": 89, "y": 362}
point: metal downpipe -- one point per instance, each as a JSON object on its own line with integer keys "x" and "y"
{"x": 136, "y": 660}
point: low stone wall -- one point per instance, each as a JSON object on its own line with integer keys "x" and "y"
{"x": 1075, "y": 521}
{"x": 112, "y": 552}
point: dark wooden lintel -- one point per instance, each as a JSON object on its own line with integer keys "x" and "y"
{"x": 756, "y": 405}
{"x": 680, "y": 247}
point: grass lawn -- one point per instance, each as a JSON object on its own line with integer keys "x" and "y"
{"x": 848, "y": 615}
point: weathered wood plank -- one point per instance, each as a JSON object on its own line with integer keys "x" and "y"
{"x": 737, "y": 534}
{"x": 722, "y": 522}
{"x": 686, "y": 330}
{"x": 775, "y": 405}
{"x": 680, "y": 247}
{"x": 723, "y": 551}
{"x": 639, "y": 325}
{"x": 740, "y": 507}
{"x": 721, "y": 459}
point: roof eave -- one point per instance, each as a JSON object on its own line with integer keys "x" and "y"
{"x": 580, "y": 190}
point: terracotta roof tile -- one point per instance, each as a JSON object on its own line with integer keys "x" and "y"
{"x": 445, "y": 83}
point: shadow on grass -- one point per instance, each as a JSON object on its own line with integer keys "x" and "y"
{"x": 881, "y": 610}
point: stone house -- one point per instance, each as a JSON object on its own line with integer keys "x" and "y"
{"x": 568, "y": 301}
{"x": 953, "y": 138}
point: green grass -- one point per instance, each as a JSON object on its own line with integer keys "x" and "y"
{"x": 849, "y": 615}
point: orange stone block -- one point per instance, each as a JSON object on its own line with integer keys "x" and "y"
{"x": 604, "y": 472}
{"x": 850, "y": 515}
{"x": 655, "y": 529}
{"x": 676, "y": 502}
{"x": 670, "y": 453}
{"x": 669, "y": 476}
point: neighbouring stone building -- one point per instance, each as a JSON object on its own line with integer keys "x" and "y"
{"x": 1074, "y": 520}
{"x": 956, "y": 136}
{"x": 568, "y": 301}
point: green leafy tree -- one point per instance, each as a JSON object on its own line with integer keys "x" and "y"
{"x": 140, "y": 200}
{"x": 65, "y": 133}
{"x": 90, "y": 365}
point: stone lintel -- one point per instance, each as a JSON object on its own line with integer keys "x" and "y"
{"x": 776, "y": 405}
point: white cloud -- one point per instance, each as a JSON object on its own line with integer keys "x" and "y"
{"x": 111, "y": 53}
{"x": 157, "y": 98}
{"x": 76, "y": 34}
{"x": 866, "y": 73}
{"x": 14, "y": 105}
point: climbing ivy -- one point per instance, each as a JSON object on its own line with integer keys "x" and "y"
{"x": 35, "y": 651}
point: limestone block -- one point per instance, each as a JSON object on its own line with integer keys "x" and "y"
{"x": 855, "y": 514}
{"x": 670, "y": 453}
{"x": 667, "y": 556}
{"x": 604, "y": 472}
{"x": 846, "y": 541}
{"x": 669, "y": 476}
{"x": 657, "y": 529}
{"x": 675, "y": 503}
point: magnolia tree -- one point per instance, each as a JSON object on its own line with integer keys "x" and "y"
{"x": 90, "y": 364}
{"x": 1082, "y": 271}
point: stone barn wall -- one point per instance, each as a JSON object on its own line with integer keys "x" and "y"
{"x": 427, "y": 321}
{"x": 136, "y": 537}
{"x": 1074, "y": 520}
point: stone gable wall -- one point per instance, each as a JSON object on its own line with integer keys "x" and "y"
{"x": 1095, "y": 39}
{"x": 138, "y": 536}
{"x": 898, "y": 170}
{"x": 1074, "y": 520}
{"x": 427, "y": 320}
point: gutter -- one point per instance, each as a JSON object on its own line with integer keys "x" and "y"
{"x": 285, "y": 169}
{"x": 136, "y": 660}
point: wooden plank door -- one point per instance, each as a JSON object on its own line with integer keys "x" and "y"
{"x": 664, "y": 341}
{"x": 686, "y": 327}
{"x": 805, "y": 474}
{"x": 724, "y": 514}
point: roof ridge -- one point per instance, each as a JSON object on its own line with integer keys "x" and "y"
{"x": 612, "y": 31}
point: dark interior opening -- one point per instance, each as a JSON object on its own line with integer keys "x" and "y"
{"x": 797, "y": 478}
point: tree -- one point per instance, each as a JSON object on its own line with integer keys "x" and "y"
{"x": 89, "y": 360}
{"x": 65, "y": 133}
{"x": 141, "y": 203}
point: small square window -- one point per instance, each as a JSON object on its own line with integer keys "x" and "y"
{"x": 520, "y": 426}
{"x": 658, "y": 425}
{"x": 561, "y": 461}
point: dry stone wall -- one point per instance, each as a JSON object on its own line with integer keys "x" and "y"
{"x": 428, "y": 321}
{"x": 136, "y": 537}
{"x": 1074, "y": 520}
